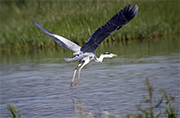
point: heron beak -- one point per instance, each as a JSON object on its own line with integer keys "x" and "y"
{"x": 113, "y": 55}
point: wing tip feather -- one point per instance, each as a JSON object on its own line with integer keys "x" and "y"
{"x": 130, "y": 13}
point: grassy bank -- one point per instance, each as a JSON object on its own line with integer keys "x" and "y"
{"x": 78, "y": 20}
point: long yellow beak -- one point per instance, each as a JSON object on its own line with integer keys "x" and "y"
{"x": 113, "y": 55}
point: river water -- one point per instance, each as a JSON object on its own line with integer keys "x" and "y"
{"x": 38, "y": 83}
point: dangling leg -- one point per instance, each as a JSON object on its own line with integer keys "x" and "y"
{"x": 75, "y": 74}
{"x": 79, "y": 73}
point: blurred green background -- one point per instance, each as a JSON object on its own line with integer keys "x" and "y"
{"x": 78, "y": 20}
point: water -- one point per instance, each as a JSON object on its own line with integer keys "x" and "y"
{"x": 38, "y": 84}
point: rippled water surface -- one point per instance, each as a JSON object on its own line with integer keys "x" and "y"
{"x": 39, "y": 87}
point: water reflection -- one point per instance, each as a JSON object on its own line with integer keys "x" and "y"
{"x": 82, "y": 112}
{"x": 80, "y": 109}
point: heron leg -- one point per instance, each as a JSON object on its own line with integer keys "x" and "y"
{"x": 79, "y": 73}
{"x": 75, "y": 70}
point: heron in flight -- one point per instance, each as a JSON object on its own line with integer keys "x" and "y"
{"x": 86, "y": 53}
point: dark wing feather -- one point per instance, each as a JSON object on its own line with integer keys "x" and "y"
{"x": 114, "y": 24}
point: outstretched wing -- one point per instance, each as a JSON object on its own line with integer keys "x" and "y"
{"x": 60, "y": 40}
{"x": 114, "y": 24}
{"x": 76, "y": 58}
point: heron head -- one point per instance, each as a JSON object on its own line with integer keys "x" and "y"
{"x": 109, "y": 55}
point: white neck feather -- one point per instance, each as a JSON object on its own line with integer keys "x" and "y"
{"x": 101, "y": 57}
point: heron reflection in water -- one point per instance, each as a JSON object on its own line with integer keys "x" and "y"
{"x": 86, "y": 53}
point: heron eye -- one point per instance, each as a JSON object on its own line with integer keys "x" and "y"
{"x": 77, "y": 55}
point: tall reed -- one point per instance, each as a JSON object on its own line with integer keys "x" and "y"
{"x": 78, "y": 20}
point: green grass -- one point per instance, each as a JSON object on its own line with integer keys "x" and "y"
{"x": 78, "y": 20}
{"x": 149, "y": 112}
{"x": 13, "y": 111}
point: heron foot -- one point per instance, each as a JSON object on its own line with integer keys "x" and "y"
{"x": 71, "y": 85}
{"x": 77, "y": 84}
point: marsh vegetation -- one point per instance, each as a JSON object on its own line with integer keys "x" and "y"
{"x": 78, "y": 20}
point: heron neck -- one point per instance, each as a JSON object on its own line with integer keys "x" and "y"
{"x": 100, "y": 59}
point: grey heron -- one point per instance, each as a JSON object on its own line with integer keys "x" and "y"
{"x": 86, "y": 53}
